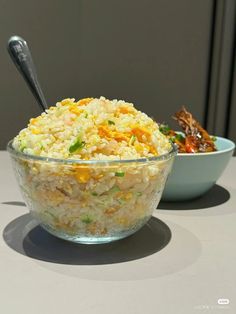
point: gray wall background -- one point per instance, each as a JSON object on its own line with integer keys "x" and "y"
{"x": 154, "y": 53}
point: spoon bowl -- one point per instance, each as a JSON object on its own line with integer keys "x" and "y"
{"x": 21, "y": 56}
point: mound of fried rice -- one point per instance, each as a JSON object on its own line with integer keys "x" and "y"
{"x": 92, "y": 128}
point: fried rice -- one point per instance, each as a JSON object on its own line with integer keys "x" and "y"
{"x": 80, "y": 201}
{"x": 92, "y": 128}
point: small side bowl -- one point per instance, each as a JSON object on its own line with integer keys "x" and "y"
{"x": 194, "y": 174}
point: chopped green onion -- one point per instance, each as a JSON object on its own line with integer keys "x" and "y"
{"x": 172, "y": 139}
{"x": 139, "y": 193}
{"x": 78, "y": 144}
{"x": 94, "y": 194}
{"x": 179, "y": 137}
{"x": 121, "y": 201}
{"x": 119, "y": 174}
{"x": 41, "y": 146}
{"x": 164, "y": 128}
{"x": 132, "y": 139}
{"x": 86, "y": 115}
{"x": 115, "y": 189}
{"x": 22, "y": 148}
{"x": 213, "y": 138}
{"x": 111, "y": 122}
{"x": 22, "y": 145}
{"x": 86, "y": 219}
{"x": 50, "y": 214}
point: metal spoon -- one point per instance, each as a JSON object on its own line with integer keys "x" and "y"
{"x": 21, "y": 56}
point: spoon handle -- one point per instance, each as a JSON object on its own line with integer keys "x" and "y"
{"x": 21, "y": 56}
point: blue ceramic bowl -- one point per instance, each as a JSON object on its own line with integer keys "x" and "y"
{"x": 194, "y": 174}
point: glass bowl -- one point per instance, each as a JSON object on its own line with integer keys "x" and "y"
{"x": 91, "y": 201}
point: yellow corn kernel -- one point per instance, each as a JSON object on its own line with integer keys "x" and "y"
{"x": 53, "y": 197}
{"x": 128, "y": 196}
{"x": 120, "y": 137}
{"x": 83, "y": 204}
{"x": 34, "y": 120}
{"x": 82, "y": 175}
{"x": 66, "y": 101}
{"x": 139, "y": 132}
{"x": 103, "y": 231}
{"x": 152, "y": 150}
{"x": 65, "y": 226}
{"x": 84, "y": 101}
{"x": 92, "y": 228}
{"x": 119, "y": 194}
{"x": 35, "y": 131}
{"x": 123, "y": 221}
{"x": 75, "y": 110}
{"x": 98, "y": 176}
{"x": 126, "y": 109}
{"x": 105, "y": 132}
{"x": 139, "y": 148}
{"x": 111, "y": 210}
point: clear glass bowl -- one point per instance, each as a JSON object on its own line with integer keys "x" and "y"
{"x": 91, "y": 201}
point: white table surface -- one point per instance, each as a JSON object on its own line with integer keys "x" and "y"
{"x": 183, "y": 262}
